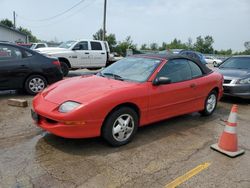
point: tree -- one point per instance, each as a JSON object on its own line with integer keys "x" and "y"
{"x": 144, "y": 47}
{"x": 32, "y": 38}
{"x": 122, "y": 47}
{"x": 98, "y": 35}
{"x": 223, "y": 52}
{"x": 7, "y": 23}
{"x": 177, "y": 44}
{"x": 189, "y": 44}
{"x": 111, "y": 39}
{"x": 204, "y": 45}
{"x": 163, "y": 46}
{"x": 154, "y": 46}
{"x": 247, "y": 45}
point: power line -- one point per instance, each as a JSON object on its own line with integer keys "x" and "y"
{"x": 55, "y": 16}
{"x": 62, "y": 19}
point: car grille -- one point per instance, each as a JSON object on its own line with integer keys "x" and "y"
{"x": 227, "y": 81}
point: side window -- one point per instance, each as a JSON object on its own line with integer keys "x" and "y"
{"x": 96, "y": 46}
{"x": 177, "y": 70}
{"x": 27, "y": 54}
{"x": 40, "y": 46}
{"x": 9, "y": 53}
{"x": 195, "y": 69}
{"x": 83, "y": 45}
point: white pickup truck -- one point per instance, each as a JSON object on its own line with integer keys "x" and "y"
{"x": 85, "y": 53}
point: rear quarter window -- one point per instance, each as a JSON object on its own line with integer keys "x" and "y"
{"x": 96, "y": 46}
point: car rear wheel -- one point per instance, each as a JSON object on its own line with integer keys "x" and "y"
{"x": 65, "y": 68}
{"x": 120, "y": 126}
{"x": 210, "y": 103}
{"x": 35, "y": 84}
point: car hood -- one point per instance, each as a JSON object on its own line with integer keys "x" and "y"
{"x": 234, "y": 73}
{"x": 83, "y": 89}
{"x": 52, "y": 50}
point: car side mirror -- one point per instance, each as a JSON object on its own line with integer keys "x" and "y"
{"x": 161, "y": 81}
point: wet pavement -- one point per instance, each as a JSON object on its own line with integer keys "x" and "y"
{"x": 161, "y": 152}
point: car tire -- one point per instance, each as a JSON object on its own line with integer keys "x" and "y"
{"x": 210, "y": 103}
{"x": 35, "y": 84}
{"x": 120, "y": 126}
{"x": 215, "y": 63}
{"x": 65, "y": 68}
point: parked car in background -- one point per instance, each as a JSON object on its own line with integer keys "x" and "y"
{"x": 193, "y": 54}
{"x": 75, "y": 54}
{"x": 236, "y": 72}
{"x": 135, "y": 91}
{"x": 188, "y": 53}
{"x": 26, "y": 45}
{"x": 38, "y": 45}
{"x": 213, "y": 60}
{"x": 22, "y": 68}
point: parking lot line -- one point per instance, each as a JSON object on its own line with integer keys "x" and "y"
{"x": 188, "y": 175}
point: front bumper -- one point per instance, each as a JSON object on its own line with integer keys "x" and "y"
{"x": 85, "y": 130}
{"x": 237, "y": 90}
{"x": 72, "y": 125}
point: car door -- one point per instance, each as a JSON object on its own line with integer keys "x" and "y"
{"x": 13, "y": 67}
{"x": 201, "y": 86}
{"x": 98, "y": 54}
{"x": 81, "y": 55}
{"x": 175, "y": 98}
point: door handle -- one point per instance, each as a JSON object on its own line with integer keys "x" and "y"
{"x": 86, "y": 52}
{"x": 193, "y": 85}
{"x": 102, "y": 53}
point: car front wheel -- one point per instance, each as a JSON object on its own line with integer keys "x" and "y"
{"x": 35, "y": 84}
{"x": 65, "y": 68}
{"x": 120, "y": 126}
{"x": 210, "y": 103}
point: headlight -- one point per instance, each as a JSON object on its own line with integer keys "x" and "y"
{"x": 244, "y": 81}
{"x": 68, "y": 106}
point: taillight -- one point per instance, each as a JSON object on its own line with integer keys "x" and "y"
{"x": 57, "y": 63}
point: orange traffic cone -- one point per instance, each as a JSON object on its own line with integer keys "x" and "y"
{"x": 228, "y": 142}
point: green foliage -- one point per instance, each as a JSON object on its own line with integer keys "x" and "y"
{"x": 163, "y": 46}
{"x": 144, "y": 47}
{"x": 204, "y": 45}
{"x": 111, "y": 39}
{"x": 176, "y": 44}
{"x": 122, "y": 47}
{"x": 7, "y": 23}
{"x": 32, "y": 38}
{"x": 223, "y": 52}
{"x": 98, "y": 35}
{"x": 154, "y": 46}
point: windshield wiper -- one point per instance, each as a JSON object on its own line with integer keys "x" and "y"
{"x": 115, "y": 76}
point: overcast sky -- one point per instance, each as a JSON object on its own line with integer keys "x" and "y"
{"x": 146, "y": 21}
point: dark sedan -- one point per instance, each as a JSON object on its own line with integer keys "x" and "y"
{"x": 21, "y": 68}
{"x": 236, "y": 72}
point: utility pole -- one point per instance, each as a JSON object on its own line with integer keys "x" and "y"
{"x": 104, "y": 20}
{"x": 14, "y": 19}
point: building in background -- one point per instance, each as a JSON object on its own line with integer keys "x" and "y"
{"x": 12, "y": 35}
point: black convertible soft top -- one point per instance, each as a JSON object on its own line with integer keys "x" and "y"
{"x": 203, "y": 67}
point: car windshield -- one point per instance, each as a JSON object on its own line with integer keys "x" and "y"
{"x": 33, "y": 46}
{"x": 136, "y": 69}
{"x": 237, "y": 63}
{"x": 67, "y": 44}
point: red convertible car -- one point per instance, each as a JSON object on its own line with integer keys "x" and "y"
{"x": 132, "y": 92}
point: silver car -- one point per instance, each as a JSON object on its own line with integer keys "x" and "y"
{"x": 236, "y": 72}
